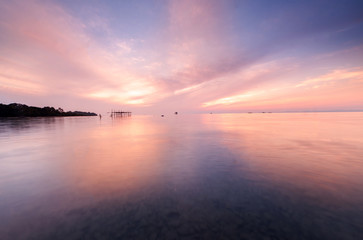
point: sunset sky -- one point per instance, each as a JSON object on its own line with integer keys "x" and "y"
{"x": 182, "y": 55}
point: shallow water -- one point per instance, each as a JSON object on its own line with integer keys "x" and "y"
{"x": 227, "y": 176}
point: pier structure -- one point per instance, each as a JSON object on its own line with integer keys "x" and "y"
{"x": 117, "y": 113}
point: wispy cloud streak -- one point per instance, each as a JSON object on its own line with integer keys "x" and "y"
{"x": 194, "y": 55}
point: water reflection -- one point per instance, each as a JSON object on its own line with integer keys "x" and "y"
{"x": 312, "y": 151}
{"x": 119, "y": 157}
{"x": 237, "y": 176}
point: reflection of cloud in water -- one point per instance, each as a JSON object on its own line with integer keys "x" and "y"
{"x": 283, "y": 176}
{"x": 118, "y": 157}
{"x": 311, "y": 152}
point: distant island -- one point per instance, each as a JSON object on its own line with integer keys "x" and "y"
{"x": 22, "y": 110}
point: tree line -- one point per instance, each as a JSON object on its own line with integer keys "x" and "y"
{"x": 22, "y": 110}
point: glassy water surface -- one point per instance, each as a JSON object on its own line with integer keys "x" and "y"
{"x": 227, "y": 176}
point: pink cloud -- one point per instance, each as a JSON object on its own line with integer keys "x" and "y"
{"x": 335, "y": 89}
{"x": 45, "y": 50}
{"x": 193, "y": 63}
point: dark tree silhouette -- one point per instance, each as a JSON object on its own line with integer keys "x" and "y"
{"x": 22, "y": 110}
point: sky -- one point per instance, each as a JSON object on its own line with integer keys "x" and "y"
{"x": 190, "y": 56}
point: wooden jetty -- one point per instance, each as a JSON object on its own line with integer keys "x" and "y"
{"x": 115, "y": 113}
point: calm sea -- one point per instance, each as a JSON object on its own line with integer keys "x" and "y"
{"x": 212, "y": 176}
